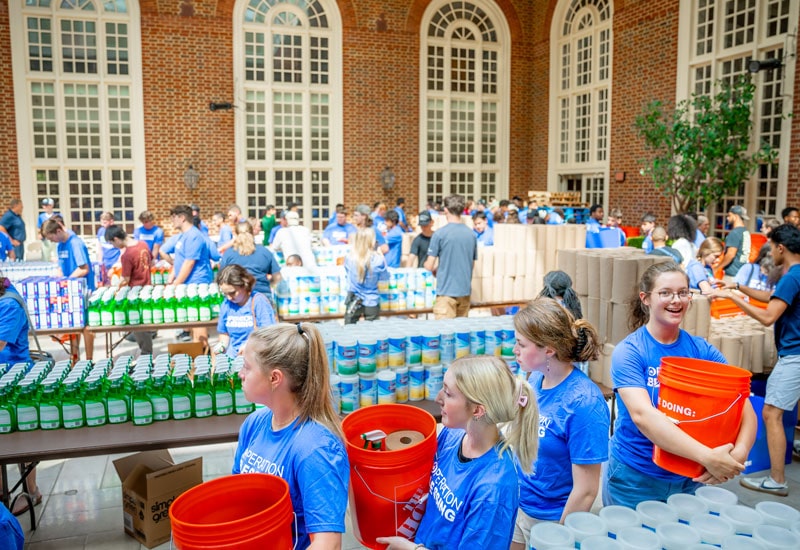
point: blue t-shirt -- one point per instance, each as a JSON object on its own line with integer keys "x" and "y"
{"x": 379, "y": 223}
{"x": 573, "y": 429}
{"x": 225, "y": 234}
{"x": 456, "y": 247}
{"x": 339, "y": 234}
{"x": 367, "y": 289}
{"x": 204, "y": 227}
{"x": 192, "y": 245}
{"x": 310, "y": 458}
{"x": 259, "y": 264}
{"x": 71, "y": 255}
{"x": 237, "y": 320}
{"x": 471, "y": 504}
{"x": 787, "y": 327}
{"x": 635, "y": 364}
{"x": 170, "y": 243}
{"x": 486, "y": 238}
{"x": 593, "y": 225}
{"x": 13, "y": 330}
{"x": 274, "y": 232}
{"x": 698, "y": 272}
{"x": 110, "y": 252}
{"x": 5, "y": 246}
{"x": 43, "y": 217}
{"x": 14, "y": 225}
{"x": 698, "y": 238}
{"x": 153, "y": 236}
{"x": 394, "y": 238}
{"x": 647, "y": 243}
{"x": 750, "y": 275}
{"x": 401, "y": 215}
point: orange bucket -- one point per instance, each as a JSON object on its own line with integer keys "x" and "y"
{"x": 242, "y": 511}
{"x": 705, "y": 399}
{"x": 387, "y": 487}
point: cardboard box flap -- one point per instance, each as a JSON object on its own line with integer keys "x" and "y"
{"x": 175, "y": 478}
{"x": 153, "y": 460}
{"x": 136, "y": 482}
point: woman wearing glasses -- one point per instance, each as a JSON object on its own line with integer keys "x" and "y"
{"x": 655, "y": 318}
{"x": 297, "y": 436}
{"x": 243, "y": 310}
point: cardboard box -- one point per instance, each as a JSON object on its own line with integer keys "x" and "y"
{"x": 150, "y": 482}
{"x": 193, "y": 349}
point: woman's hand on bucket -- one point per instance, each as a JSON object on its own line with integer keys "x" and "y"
{"x": 398, "y": 543}
{"x": 720, "y": 465}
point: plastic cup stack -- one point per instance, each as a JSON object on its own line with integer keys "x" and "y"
{"x": 716, "y": 497}
{"x": 653, "y": 513}
{"x": 686, "y": 506}
{"x": 677, "y": 536}
{"x": 618, "y": 518}
{"x": 713, "y": 529}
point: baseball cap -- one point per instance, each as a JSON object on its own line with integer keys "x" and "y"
{"x": 740, "y": 211}
{"x": 292, "y": 218}
{"x": 48, "y": 201}
{"x": 424, "y": 218}
{"x": 363, "y": 209}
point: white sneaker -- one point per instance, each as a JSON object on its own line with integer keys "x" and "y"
{"x": 765, "y": 484}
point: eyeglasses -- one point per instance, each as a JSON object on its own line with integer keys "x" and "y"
{"x": 668, "y": 295}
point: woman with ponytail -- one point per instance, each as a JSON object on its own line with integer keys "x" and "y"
{"x": 473, "y": 494}
{"x": 573, "y": 417}
{"x": 298, "y": 435}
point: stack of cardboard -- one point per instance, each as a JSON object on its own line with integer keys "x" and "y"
{"x": 513, "y": 269}
{"x": 744, "y": 342}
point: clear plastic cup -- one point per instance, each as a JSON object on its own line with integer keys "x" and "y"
{"x": 776, "y": 513}
{"x": 716, "y": 497}
{"x": 677, "y": 536}
{"x": 712, "y": 529}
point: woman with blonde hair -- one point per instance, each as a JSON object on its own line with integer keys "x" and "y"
{"x": 474, "y": 490}
{"x": 701, "y": 269}
{"x": 255, "y": 258}
{"x": 298, "y": 435}
{"x": 364, "y": 266}
{"x": 574, "y": 419}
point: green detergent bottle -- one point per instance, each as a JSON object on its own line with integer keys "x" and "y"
{"x": 182, "y": 396}
{"x": 141, "y": 404}
{"x": 73, "y": 414}
{"x": 94, "y": 399}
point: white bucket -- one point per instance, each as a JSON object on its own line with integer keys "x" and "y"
{"x": 716, "y": 497}
{"x": 743, "y": 518}
{"x": 773, "y": 537}
{"x": 546, "y": 535}
{"x": 653, "y": 513}
{"x": 584, "y": 525}
{"x": 741, "y": 542}
{"x": 686, "y": 506}
{"x": 599, "y": 543}
{"x": 638, "y": 538}
{"x": 713, "y": 529}
{"x": 618, "y": 518}
{"x": 677, "y": 536}
{"x": 776, "y": 513}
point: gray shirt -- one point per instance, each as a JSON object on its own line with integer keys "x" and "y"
{"x": 456, "y": 247}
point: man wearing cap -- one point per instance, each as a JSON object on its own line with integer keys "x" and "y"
{"x": 48, "y": 247}
{"x": 480, "y": 226}
{"x": 361, "y": 218}
{"x": 420, "y": 244}
{"x": 456, "y": 249}
{"x": 737, "y": 243}
{"x": 295, "y": 239}
{"x": 14, "y": 227}
{"x": 340, "y": 231}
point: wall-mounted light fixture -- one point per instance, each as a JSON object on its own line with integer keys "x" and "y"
{"x": 226, "y": 106}
{"x": 386, "y": 178}
{"x": 755, "y": 65}
{"x": 191, "y": 177}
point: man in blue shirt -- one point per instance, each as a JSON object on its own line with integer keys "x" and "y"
{"x": 783, "y": 384}
{"x": 361, "y": 218}
{"x": 648, "y": 224}
{"x": 394, "y": 238}
{"x": 340, "y": 231}
{"x": 401, "y": 214}
{"x": 150, "y": 233}
{"x": 480, "y": 226}
{"x": 595, "y": 220}
{"x": 14, "y": 227}
{"x": 196, "y": 214}
{"x": 48, "y": 207}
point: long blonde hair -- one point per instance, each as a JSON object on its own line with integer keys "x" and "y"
{"x": 298, "y": 351}
{"x": 486, "y": 380}
{"x": 363, "y": 250}
{"x": 244, "y": 243}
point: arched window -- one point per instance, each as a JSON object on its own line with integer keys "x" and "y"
{"x": 716, "y": 42}
{"x": 464, "y": 98}
{"x": 580, "y": 99}
{"x": 77, "y": 78}
{"x": 287, "y": 81}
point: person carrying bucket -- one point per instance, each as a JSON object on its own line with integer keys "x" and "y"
{"x": 573, "y": 416}
{"x": 783, "y": 384}
{"x": 631, "y": 476}
{"x": 298, "y": 437}
{"x": 474, "y": 490}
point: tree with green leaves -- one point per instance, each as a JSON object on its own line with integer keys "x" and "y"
{"x": 701, "y": 148}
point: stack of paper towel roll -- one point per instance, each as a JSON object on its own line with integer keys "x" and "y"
{"x": 744, "y": 342}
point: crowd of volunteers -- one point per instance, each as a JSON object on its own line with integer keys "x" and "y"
{"x": 512, "y": 451}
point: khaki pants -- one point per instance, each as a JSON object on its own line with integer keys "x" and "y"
{"x": 450, "y": 307}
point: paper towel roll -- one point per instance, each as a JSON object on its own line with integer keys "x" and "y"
{"x": 402, "y": 439}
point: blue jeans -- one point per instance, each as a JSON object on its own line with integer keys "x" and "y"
{"x": 624, "y": 486}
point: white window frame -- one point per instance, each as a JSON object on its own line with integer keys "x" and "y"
{"x": 335, "y": 164}
{"x": 503, "y": 96}
{"x": 25, "y": 153}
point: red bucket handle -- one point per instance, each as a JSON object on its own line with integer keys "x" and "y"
{"x": 422, "y": 499}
